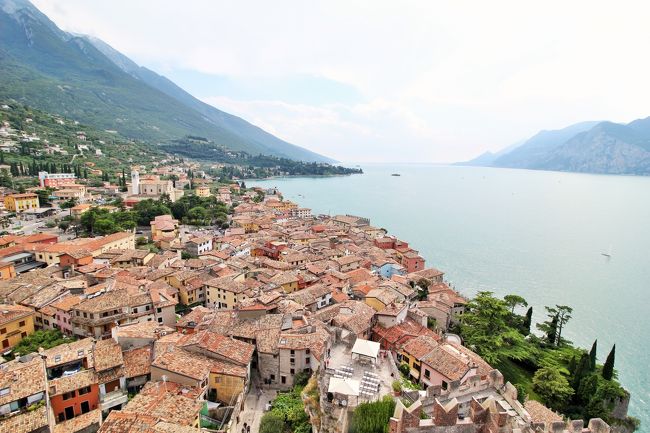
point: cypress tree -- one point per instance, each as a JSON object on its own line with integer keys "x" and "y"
{"x": 581, "y": 371}
{"x": 572, "y": 365}
{"x": 85, "y": 173}
{"x": 2, "y": 157}
{"x": 608, "y": 368}
{"x": 592, "y": 356}
{"x": 527, "y": 319}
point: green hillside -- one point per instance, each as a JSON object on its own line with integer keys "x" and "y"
{"x": 44, "y": 67}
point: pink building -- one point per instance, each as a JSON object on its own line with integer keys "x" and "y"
{"x": 63, "y": 315}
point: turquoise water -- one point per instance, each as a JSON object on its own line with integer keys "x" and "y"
{"x": 537, "y": 234}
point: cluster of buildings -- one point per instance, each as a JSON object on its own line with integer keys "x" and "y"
{"x": 163, "y": 343}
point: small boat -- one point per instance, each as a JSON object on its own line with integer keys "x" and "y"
{"x": 395, "y": 174}
{"x": 608, "y": 254}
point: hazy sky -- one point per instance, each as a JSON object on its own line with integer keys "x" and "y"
{"x": 409, "y": 81}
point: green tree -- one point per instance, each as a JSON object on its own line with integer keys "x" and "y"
{"x": 528, "y": 318}
{"x": 513, "y": 301}
{"x": 64, "y": 226}
{"x": 68, "y": 203}
{"x": 592, "y": 356}
{"x": 105, "y": 226}
{"x": 552, "y": 387}
{"x": 45, "y": 339}
{"x": 486, "y": 330}
{"x": 549, "y": 327}
{"x": 608, "y": 367}
{"x": 581, "y": 371}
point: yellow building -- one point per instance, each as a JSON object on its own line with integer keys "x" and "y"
{"x": 16, "y": 323}
{"x": 227, "y": 381}
{"x": 21, "y": 202}
{"x": 7, "y": 270}
{"x": 95, "y": 246}
{"x": 224, "y": 293}
{"x": 288, "y": 281}
{"x": 202, "y": 191}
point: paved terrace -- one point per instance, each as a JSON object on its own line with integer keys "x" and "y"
{"x": 341, "y": 356}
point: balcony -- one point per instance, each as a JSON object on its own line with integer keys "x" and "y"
{"x": 113, "y": 398}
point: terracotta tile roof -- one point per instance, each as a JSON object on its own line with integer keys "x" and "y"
{"x": 402, "y": 332}
{"x": 310, "y": 295}
{"x": 227, "y": 348}
{"x": 137, "y": 362}
{"x": 68, "y": 352}
{"x": 9, "y": 313}
{"x": 70, "y": 383}
{"x": 145, "y": 330}
{"x": 121, "y": 422}
{"x": 185, "y": 363}
{"x": 26, "y": 422}
{"x": 420, "y": 346}
{"x": 165, "y": 402}
{"x": 107, "y": 355}
{"x": 540, "y": 413}
{"x": 22, "y": 378}
{"x": 79, "y": 422}
{"x": 111, "y": 300}
{"x": 66, "y": 303}
{"x": 448, "y": 361}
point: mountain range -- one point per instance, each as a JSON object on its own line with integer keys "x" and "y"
{"x": 85, "y": 79}
{"x": 588, "y": 147}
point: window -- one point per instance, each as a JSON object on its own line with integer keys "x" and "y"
{"x": 427, "y": 374}
{"x": 85, "y": 407}
{"x": 160, "y": 320}
{"x": 69, "y": 412}
{"x": 273, "y": 377}
{"x": 21, "y": 323}
{"x": 23, "y": 334}
{"x": 444, "y": 385}
{"x": 84, "y": 390}
{"x": 4, "y": 391}
{"x": 68, "y": 395}
{"x": 283, "y": 379}
{"x": 293, "y": 352}
{"x": 292, "y": 371}
{"x": 307, "y": 360}
{"x": 159, "y": 310}
{"x": 3, "y": 331}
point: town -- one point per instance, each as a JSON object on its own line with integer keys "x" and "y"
{"x": 205, "y": 322}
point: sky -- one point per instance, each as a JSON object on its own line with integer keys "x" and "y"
{"x": 387, "y": 81}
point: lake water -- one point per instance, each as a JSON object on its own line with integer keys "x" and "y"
{"x": 533, "y": 233}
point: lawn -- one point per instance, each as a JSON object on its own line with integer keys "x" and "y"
{"x": 515, "y": 374}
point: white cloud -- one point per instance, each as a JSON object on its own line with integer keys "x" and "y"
{"x": 444, "y": 80}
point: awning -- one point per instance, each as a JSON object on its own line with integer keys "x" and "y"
{"x": 344, "y": 386}
{"x": 366, "y": 348}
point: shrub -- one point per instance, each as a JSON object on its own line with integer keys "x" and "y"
{"x": 372, "y": 417}
{"x": 397, "y": 386}
{"x": 405, "y": 369}
{"x": 271, "y": 423}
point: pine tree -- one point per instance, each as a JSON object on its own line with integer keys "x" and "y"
{"x": 608, "y": 368}
{"x": 592, "y": 356}
{"x": 527, "y": 320}
{"x": 552, "y": 331}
